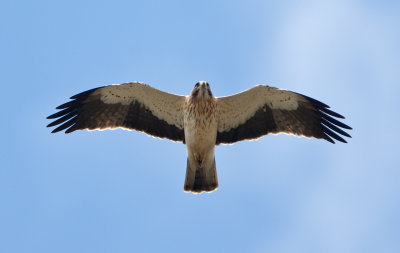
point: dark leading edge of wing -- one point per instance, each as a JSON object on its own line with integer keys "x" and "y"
{"x": 87, "y": 111}
{"x": 310, "y": 119}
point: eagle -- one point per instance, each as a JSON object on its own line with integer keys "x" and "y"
{"x": 200, "y": 120}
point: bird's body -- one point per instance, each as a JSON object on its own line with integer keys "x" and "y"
{"x": 200, "y": 126}
{"x": 200, "y": 120}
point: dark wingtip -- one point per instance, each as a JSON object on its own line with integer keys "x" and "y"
{"x": 71, "y": 129}
{"x": 327, "y": 138}
{"x": 69, "y": 111}
{"x": 314, "y": 102}
{"x": 333, "y": 127}
{"x": 330, "y": 126}
{"x": 83, "y": 94}
{"x": 346, "y": 126}
{"x": 66, "y": 105}
{"x": 332, "y": 113}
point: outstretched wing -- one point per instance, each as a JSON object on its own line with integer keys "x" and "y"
{"x": 263, "y": 109}
{"x": 133, "y": 105}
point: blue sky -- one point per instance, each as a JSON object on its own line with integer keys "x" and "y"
{"x": 120, "y": 191}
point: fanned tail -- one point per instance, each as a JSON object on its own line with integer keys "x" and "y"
{"x": 201, "y": 179}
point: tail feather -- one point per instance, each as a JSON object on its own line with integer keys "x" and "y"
{"x": 201, "y": 179}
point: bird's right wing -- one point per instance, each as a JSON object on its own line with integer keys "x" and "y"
{"x": 135, "y": 106}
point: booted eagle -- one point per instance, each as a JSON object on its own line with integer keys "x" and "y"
{"x": 200, "y": 120}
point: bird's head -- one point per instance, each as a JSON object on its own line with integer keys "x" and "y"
{"x": 202, "y": 90}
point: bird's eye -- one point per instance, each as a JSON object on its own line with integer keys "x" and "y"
{"x": 197, "y": 85}
{"x": 207, "y": 85}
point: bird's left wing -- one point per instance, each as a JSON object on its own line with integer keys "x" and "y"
{"x": 133, "y": 105}
{"x": 263, "y": 109}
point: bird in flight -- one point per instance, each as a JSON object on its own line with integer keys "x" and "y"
{"x": 200, "y": 120}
